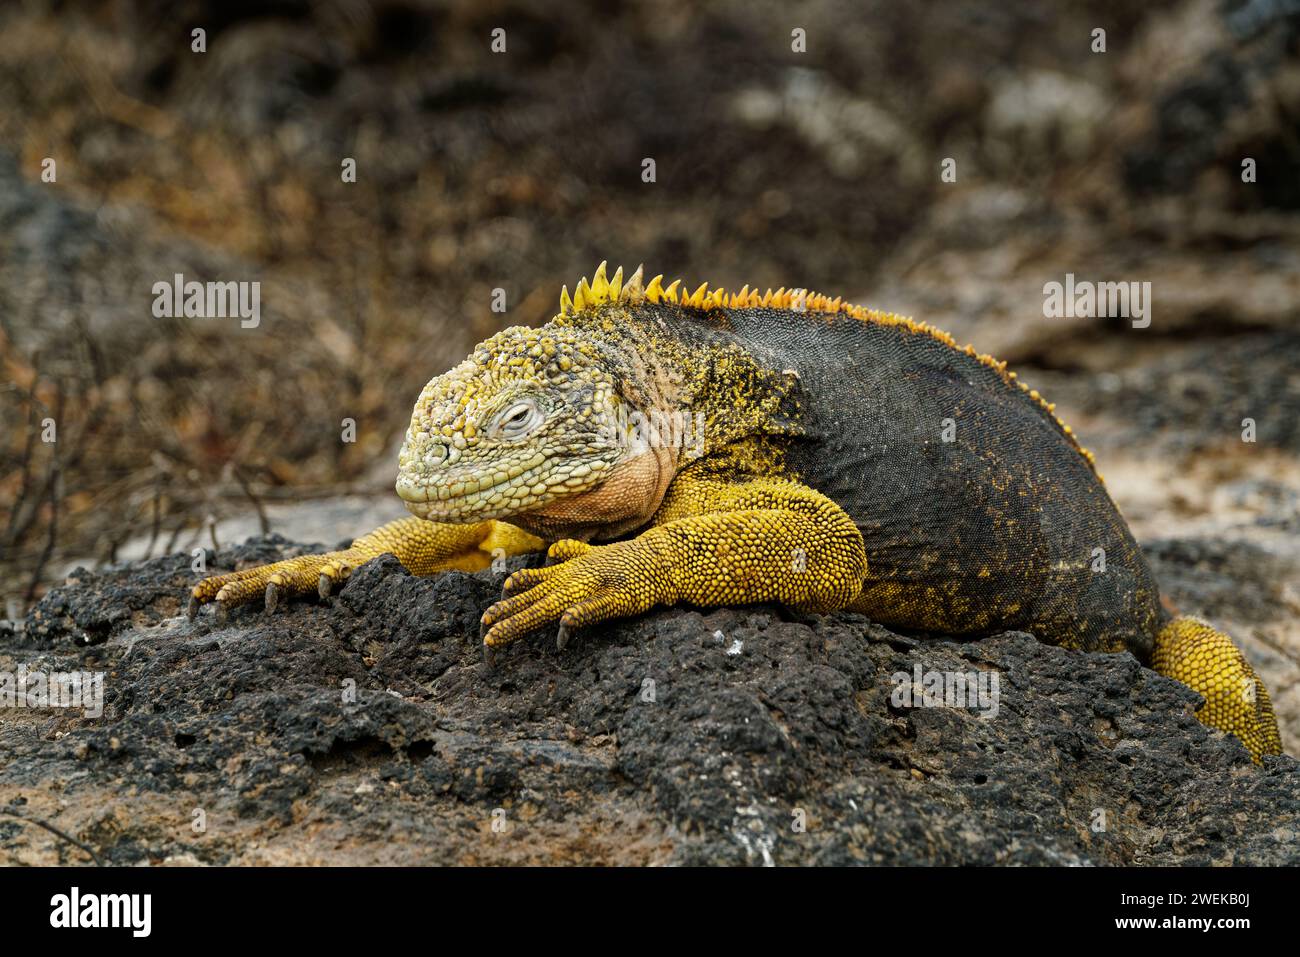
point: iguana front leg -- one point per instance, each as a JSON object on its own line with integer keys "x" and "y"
{"x": 711, "y": 543}
{"x": 422, "y": 547}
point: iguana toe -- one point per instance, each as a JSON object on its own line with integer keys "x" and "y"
{"x": 566, "y": 549}
{"x": 526, "y": 578}
{"x": 332, "y": 576}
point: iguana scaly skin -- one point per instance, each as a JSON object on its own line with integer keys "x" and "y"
{"x": 728, "y": 449}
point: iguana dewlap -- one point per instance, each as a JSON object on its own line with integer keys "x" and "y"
{"x": 723, "y": 449}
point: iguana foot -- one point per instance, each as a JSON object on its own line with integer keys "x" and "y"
{"x": 721, "y": 544}
{"x": 293, "y": 576}
{"x": 422, "y": 547}
{"x": 591, "y": 583}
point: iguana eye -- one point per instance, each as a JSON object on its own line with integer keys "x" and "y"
{"x": 518, "y": 420}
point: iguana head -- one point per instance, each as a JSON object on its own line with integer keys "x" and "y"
{"x": 530, "y": 418}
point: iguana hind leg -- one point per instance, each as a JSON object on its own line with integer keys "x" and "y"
{"x": 422, "y": 547}
{"x": 1207, "y": 661}
{"x": 711, "y": 543}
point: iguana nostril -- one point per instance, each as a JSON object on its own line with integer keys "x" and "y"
{"x": 435, "y": 454}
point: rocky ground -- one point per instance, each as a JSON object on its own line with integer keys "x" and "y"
{"x": 369, "y": 731}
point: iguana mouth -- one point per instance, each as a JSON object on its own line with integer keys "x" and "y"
{"x": 517, "y": 488}
{"x": 452, "y": 489}
{"x": 443, "y": 500}
{"x": 469, "y": 506}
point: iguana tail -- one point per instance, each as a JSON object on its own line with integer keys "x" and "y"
{"x": 1191, "y": 651}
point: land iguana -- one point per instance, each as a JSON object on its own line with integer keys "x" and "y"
{"x": 723, "y": 449}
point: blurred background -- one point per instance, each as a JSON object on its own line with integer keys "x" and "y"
{"x": 521, "y": 170}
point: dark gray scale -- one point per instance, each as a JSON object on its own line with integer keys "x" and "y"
{"x": 1004, "y": 526}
